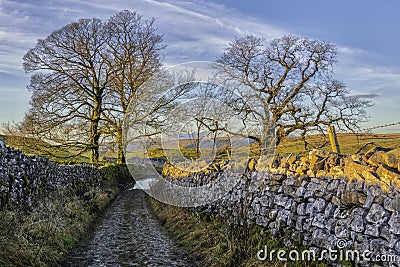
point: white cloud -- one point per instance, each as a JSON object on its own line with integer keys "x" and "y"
{"x": 372, "y": 79}
{"x": 193, "y": 29}
{"x": 366, "y": 72}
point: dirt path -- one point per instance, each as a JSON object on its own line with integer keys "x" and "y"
{"x": 129, "y": 235}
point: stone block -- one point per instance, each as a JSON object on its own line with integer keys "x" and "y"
{"x": 392, "y": 158}
{"x": 309, "y": 194}
{"x": 341, "y": 213}
{"x": 353, "y": 198}
{"x": 317, "y": 163}
{"x": 282, "y": 216}
{"x": 353, "y": 168}
{"x": 394, "y": 223}
{"x": 372, "y": 230}
{"x": 379, "y": 246}
{"x": 301, "y": 209}
{"x": 387, "y": 174}
{"x": 265, "y": 201}
{"x": 336, "y": 201}
{"x": 329, "y": 210}
{"x": 290, "y": 191}
{"x": 376, "y": 159}
{"x": 310, "y": 208}
{"x": 299, "y": 223}
{"x": 392, "y": 204}
{"x": 385, "y": 233}
{"x": 307, "y": 224}
{"x": 261, "y": 220}
{"x": 319, "y": 205}
{"x": 341, "y": 229}
{"x": 377, "y": 214}
{"x": 397, "y": 246}
{"x": 319, "y": 221}
{"x": 283, "y": 201}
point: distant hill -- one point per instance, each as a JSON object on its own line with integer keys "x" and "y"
{"x": 222, "y": 143}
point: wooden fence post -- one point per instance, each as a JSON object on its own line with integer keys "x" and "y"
{"x": 333, "y": 139}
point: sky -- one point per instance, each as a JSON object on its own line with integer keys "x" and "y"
{"x": 366, "y": 33}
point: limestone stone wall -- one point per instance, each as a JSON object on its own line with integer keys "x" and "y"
{"x": 23, "y": 179}
{"x": 319, "y": 201}
{"x": 377, "y": 166}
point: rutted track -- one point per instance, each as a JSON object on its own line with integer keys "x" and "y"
{"x": 129, "y": 235}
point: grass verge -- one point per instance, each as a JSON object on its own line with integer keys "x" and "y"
{"x": 212, "y": 242}
{"x": 44, "y": 236}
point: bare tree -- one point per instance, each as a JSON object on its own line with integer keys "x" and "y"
{"x": 289, "y": 83}
{"x": 69, "y": 84}
{"x": 148, "y": 116}
{"x": 134, "y": 46}
{"x": 86, "y": 75}
{"x": 201, "y": 115}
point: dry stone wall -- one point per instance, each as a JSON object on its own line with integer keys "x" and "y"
{"x": 319, "y": 201}
{"x": 23, "y": 179}
{"x": 377, "y": 166}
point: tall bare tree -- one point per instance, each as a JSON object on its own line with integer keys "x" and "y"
{"x": 134, "y": 47}
{"x": 85, "y": 76}
{"x": 69, "y": 84}
{"x": 290, "y": 83}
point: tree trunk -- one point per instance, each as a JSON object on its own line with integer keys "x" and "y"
{"x": 94, "y": 142}
{"x": 94, "y": 129}
{"x": 268, "y": 140}
{"x": 214, "y": 144}
{"x": 120, "y": 156}
{"x": 198, "y": 141}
